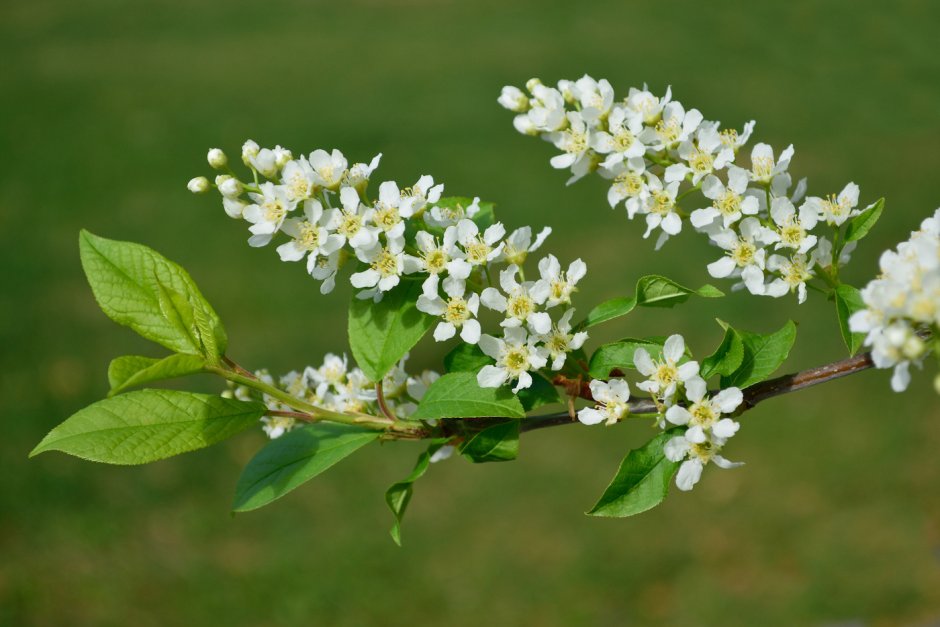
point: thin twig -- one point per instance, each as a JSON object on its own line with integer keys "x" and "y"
{"x": 380, "y": 397}
{"x": 299, "y": 415}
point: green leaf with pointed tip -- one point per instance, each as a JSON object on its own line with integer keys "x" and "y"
{"x": 859, "y": 226}
{"x": 619, "y": 355}
{"x": 399, "y": 494}
{"x": 130, "y": 370}
{"x": 381, "y": 333}
{"x": 295, "y": 458}
{"x": 466, "y": 358}
{"x": 458, "y": 395}
{"x": 499, "y": 443}
{"x": 540, "y": 393}
{"x": 137, "y": 287}
{"x": 608, "y": 310}
{"x": 763, "y": 354}
{"x": 727, "y": 357}
{"x": 848, "y": 301}
{"x": 641, "y": 482}
{"x": 147, "y": 425}
{"x": 658, "y": 291}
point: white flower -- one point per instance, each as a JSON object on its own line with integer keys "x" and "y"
{"x": 268, "y": 212}
{"x": 309, "y": 237}
{"x": 198, "y": 185}
{"x": 276, "y": 426}
{"x": 745, "y": 254}
{"x": 249, "y": 150}
{"x": 519, "y": 244}
{"x": 359, "y": 174}
{"x": 332, "y": 372}
{"x": 575, "y": 143}
{"x": 457, "y": 312}
{"x": 418, "y": 385}
{"x": 282, "y": 156}
{"x": 792, "y": 228}
{"x": 629, "y": 183}
{"x": 229, "y": 186}
{"x": 449, "y": 216}
{"x": 646, "y": 105}
{"x": 329, "y": 168}
{"x": 325, "y": 269}
{"x": 675, "y": 127}
{"x": 698, "y": 453}
{"x": 477, "y": 249}
{"x": 611, "y": 402}
{"x": 265, "y": 162}
{"x": 763, "y": 166}
{"x": 355, "y": 393}
{"x": 794, "y": 272}
{"x": 734, "y": 140}
{"x": 661, "y": 209}
{"x": 547, "y": 112}
{"x": 666, "y": 375}
{"x": 513, "y": 99}
{"x": 560, "y": 340}
{"x": 516, "y": 353}
{"x": 386, "y": 265}
{"x": 623, "y": 141}
{"x": 521, "y": 302}
{"x": 729, "y": 203}
{"x": 436, "y": 259}
{"x": 387, "y": 213}
{"x": 299, "y": 179}
{"x": 706, "y": 155}
{"x": 422, "y": 193}
{"x": 561, "y": 284}
{"x": 595, "y": 97}
{"x": 442, "y": 453}
{"x": 352, "y": 221}
{"x": 835, "y": 210}
{"x": 703, "y": 416}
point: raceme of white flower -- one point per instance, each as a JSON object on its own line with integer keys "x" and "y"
{"x": 903, "y": 304}
{"x": 655, "y": 153}
{"x": 334, "y": 386}
{"x": 321, "y": 205}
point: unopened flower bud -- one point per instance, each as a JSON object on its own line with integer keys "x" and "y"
{"x": 913, "y": 347}
{"x": 282, "y": 156}
{"x": 513, "y": 99}
{"x": 217, "y": 159}
{"x": 250, "y": 149}
{"x": 231, "y": 188}
{"x": 198, "y": 185}
{"x": 525, "y": 125}
{"x": 532, "y": 83}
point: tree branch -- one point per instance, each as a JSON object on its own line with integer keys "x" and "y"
{"x": 752, "y": 395}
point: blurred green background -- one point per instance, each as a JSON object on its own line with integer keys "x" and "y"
{"x": 108, "y": 109}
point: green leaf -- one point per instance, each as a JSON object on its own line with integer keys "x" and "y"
{"x": 658, "y": 291}
{"x": 651, "y": 291}
{"x": 147, "y": 425}
{"x": 381, "y": 333}
{"x": 727, "y": 357}
{"x": 540, "y": 393}
{"x": 763, "y": 354}
{"x": 295, "y": 458}
{"x": 466, "y": 358}
{"x": 499, "y": 443}
{"x": 458, "y": 395}
{"x": 848, "y": 301}
{"x": 399, "y": 494}
{"x": 608, "y": 310}
{"x": 139, "y": 288}
{"x": 619, "y": 355}
{"x": 859, "y": 226}
{"x": 130, "y": 370}
{"x": 641, "y": 482}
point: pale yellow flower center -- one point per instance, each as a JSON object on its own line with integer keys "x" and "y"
{"x": 457, "y": 311}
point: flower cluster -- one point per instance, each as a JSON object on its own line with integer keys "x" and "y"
{"x": 655, "y": 152}
{"x": 681, "y": 395}
{"x": 902, "y": 305}
{"x": 321, "y": 205}
{"x": 334, "y": 386}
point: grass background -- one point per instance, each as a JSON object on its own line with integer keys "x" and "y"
{"x": 107, "y": 110}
